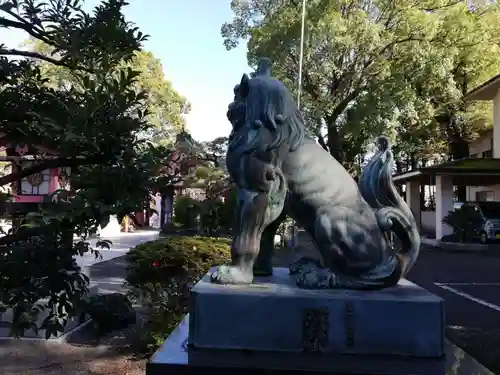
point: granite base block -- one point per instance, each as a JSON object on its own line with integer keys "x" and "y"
{"x": 273, "y": 314}
{"x": 175, "y": 357}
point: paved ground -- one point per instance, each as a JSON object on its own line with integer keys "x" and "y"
{"x": 469, "y": 284}
{"x": 119, "y": 247}
{"x": 108, "y": 273}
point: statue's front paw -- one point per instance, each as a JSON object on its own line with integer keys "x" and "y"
{"x": 231, "y": 275}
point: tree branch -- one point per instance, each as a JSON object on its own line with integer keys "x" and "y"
{"x": 21, "y": 24}
{"x": 47, "y": 164}
{"x": 33, "y": 55}
{"x": 21, "y": 234}
{"x": 332, "y": 118}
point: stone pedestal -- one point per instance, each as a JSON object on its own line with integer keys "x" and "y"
{"x": 276, "y": 327}
{"x": 273, "y": 314}
{"x": 175, "y": 357}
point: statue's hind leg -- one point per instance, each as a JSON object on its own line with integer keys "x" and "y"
{"x": 310, "y": 273}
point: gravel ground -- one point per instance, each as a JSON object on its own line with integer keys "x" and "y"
{"x": 41, "y": 357}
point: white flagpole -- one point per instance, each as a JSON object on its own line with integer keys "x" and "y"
{"x": 301, "y": 56}
{"x": 299, "y": 89}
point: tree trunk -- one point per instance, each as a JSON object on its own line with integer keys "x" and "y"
{"x": 334, "y": 142}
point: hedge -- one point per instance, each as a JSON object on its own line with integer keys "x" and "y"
{"x": 176, "y": 256}
{"x": 160, "y": 274}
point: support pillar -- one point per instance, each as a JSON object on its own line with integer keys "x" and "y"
{"x": 444, "y": 204}
{"x": 496, "y": 125}
{"x": 413, "y": 200}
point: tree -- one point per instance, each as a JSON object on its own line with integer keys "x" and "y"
{"x": 165, "y": 107}
{"x": 216, "y": 149}
{"x": 95, "y": 117}
{"x": 211, "y": 176}
{"x": 369, "y": 68}
{"x": 472, "y": 60}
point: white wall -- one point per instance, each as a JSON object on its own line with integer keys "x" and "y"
{"x": 476, "y": 149}
{"x": 471, "y": 192}
{"x": 480, "y": 145}
{"x": 428, "y": 221}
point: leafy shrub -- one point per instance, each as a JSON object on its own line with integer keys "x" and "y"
{"x": 211, "y": 214}
{"x": 217, "y": 215}
{"x": 174, "y": 257}
{"x": 228, "y": 210}
{"x": 460, "y": 223}
{"x": 160, "y": 274}
{"x": 186, "y": 210}
{"x": 110, "y": 312}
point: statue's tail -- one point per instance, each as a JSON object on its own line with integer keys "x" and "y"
{"x": 392, "y": 212}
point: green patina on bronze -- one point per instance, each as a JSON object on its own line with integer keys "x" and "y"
{"x": 280, "y": 170}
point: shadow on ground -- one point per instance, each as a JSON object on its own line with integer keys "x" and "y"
{"x": 49, "y": 358}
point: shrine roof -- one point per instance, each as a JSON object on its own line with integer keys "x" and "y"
{"x": 467, "y": 171}
{"x": 486, "y": 91}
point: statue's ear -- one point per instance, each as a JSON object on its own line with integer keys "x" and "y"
{"x": 244, "y": 86}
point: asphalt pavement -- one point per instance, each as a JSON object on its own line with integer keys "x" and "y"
{"x": 107, "y": 273}
{"x": 468, "y": 282}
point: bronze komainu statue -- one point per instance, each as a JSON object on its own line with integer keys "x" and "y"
{"x": 281, "y": 170}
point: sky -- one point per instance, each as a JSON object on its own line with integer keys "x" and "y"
{"x": 185, "y": 36}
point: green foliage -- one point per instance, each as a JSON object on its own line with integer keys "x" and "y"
{"x": 217, "y": 149}
{"x": 212, "y": 179}
{"x": 174, "y": 257}
{"x": 463, "y": 224}
{"x": 163, "y": 105}
{"x": 227, "y": 213}
{"x": 384, "y": 67}
{"x": 110, "y": 312}
{"x": 211, "y": 215}
{"x": 160, "y": 274}
{"x": 25, "y": 285}
{"x": 215, "y": 214}
{"x": 186, "y": 211}
{"x": 84, "y": 93}
{"x": 218, "y": 213}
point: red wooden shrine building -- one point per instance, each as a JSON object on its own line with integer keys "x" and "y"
{"x": 36, "y": 187}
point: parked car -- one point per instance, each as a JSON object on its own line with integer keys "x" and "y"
{"x": 478, "y": 221}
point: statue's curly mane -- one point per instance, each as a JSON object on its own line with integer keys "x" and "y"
{"x": 271, "y": 103}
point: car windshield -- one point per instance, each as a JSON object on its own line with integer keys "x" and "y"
{"x": 490, "y": 210}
